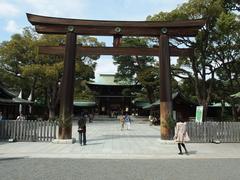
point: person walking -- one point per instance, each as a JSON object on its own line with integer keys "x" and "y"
{"x": 127, "y": 121}
{"x": 181, "y": 135}
{"x": 121, "y": 119}
{"x": 21, "y": 117}
{"x": 82, "y": 130}
{"x": 91, "y": 116}
{"x": 150, "y": 118}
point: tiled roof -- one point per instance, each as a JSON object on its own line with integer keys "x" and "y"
{"x": 219, "y": 105}
{"x": 15, "y": 101}
{"x": 237, "y": 95}
{"x": 5, "y": 94}
{"x": 9, "y": 98}
{"x": 174, "y": 95}
{"x": 84, "y": 103}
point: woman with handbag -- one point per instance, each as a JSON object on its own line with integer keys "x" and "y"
{"x": 181, "y": 135}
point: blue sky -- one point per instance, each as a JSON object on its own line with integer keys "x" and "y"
{"x": 13, "y": 15}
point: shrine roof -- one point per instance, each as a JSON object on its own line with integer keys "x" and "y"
{"x": 142, "y": 104}
{"x": 174, "y": 96}
{"x": 84, "y": 103}
{"x": 5, "y": 94}
{"x": 219, "y": 104}
{"x": 15, "y": 100}
{"x": 10, "y": 98}
{"x": 236, "y": 95}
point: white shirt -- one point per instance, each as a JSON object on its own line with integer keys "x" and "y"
{"x": 20, "y": 118}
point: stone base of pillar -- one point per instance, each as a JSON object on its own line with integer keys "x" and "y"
{"x": 64, "y": 141}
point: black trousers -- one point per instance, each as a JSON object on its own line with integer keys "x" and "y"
{"x": 184, "y": 147}
{"x": 82, "y": 138}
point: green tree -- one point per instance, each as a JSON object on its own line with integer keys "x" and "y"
{"x": 138, "y": 69}
{"x": 226, "y": 53}
{"x": 22, "y": 67}
{"x": 232, "y": 5}
{"x": 199, "y": 68}
{"x": 49, "y": 70}
{"x": 14, "y": 54}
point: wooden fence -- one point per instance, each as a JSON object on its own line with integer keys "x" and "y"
{"x": 28, "y": 130}
{"x": 214, "y": 132}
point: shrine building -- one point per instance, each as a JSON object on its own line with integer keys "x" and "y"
{"x": 111, "y": 97}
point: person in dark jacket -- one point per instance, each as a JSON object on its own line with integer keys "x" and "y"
{"x": 82, "y": 130}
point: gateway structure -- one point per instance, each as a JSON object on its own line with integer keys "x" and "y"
{"x": 73, "y": 27}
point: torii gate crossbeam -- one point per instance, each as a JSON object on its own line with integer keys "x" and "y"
{"x": 84, "y": 51}
{"x": 73, "y": 27}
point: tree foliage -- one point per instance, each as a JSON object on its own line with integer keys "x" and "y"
{"x": 138, "y": 69}
{"x": 216, "y": 48}
{"x": 22, "y": 67}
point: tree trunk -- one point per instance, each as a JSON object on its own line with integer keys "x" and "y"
{"x": 234, "y": 112}
{"x": 150, "y": 94}
{"x": 52, "y": 98}
{"x": 222, "y": 110}
{"x": 52, "y": 113}
{"x": 205, "y": 109}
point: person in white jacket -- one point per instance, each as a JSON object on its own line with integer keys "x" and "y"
{"x": 181, "y": 135}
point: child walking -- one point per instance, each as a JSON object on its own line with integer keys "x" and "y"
{"x": 181, "y": 135}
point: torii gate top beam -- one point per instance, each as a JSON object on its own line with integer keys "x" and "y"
{"x": 52, "y": 25}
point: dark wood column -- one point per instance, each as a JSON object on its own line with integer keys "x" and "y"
{"x": 165, "y": 86}
{"x": 67, "y": 86}
{"x": 116, "y": 40}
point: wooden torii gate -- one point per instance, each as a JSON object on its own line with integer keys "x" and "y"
{"x": 73, "y": 27}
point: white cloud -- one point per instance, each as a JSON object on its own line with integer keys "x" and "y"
{"x": 105, "y": 66}
{"x": 7, "y": 9}
{"x": 57, "y": 8}
{"x": 12, "y": 27}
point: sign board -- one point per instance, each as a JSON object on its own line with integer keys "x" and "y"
{"x": 199, "y": 114}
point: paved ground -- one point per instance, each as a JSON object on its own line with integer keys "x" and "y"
{"x": 106, "y": 141}
{"x": 121, "y": 169}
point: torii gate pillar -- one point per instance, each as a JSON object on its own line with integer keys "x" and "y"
{"x": 165, "y": 86}
{"x": 67, "y": 86}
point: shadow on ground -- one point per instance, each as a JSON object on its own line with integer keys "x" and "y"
{"x": 12, "y": 158}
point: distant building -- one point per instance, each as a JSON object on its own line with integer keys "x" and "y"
{"x": 111, "y": 98}
{"x": 215, "y": 111}
{"x": 180, "y": 105}
{"x": 9, "y": 104}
